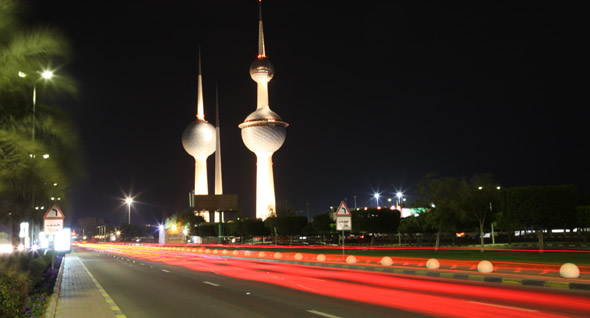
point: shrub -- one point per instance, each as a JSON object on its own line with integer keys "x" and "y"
{"x": 14, "y": 289}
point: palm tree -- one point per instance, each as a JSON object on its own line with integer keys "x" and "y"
{"x": 32, "y": 170}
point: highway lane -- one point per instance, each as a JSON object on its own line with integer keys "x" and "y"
{"x": 356, "y": 290}
{"x": 153, "y": 289}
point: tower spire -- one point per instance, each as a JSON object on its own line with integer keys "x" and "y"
{"x": 261, "y": 50}
{"x": 218, "y": 179}
{"x": 200, "y": 111}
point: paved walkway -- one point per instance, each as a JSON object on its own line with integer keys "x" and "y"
{"x": 81, "y": 295}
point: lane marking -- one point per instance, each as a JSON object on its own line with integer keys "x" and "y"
{"x": 319, "y": 313}
{"x": 502, "y": 306}
{"x": 210, "y": 283}
{"x": 167, "y": 271}
{"x": 110, "y": 302}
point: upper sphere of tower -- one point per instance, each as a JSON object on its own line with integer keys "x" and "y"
{"x": 198, "y": 138}
{"x": 261, "y": 70}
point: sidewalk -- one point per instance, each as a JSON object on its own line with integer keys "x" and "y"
{"x": 81, "y": 295}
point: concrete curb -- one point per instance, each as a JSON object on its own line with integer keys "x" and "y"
{"x": 52, "y": 303}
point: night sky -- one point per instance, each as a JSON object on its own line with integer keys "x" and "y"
{"x": 377, "y": 96}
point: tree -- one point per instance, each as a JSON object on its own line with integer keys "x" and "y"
{"x": 321, "y": 223}
{"x": 477, "y": 199}
{"x": 189, "y": 220}
{"x": 540, "y": 207}
{"x": 27, "y": 177}
{"x": 442, "y": 196}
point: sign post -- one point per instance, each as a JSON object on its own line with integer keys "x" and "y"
{"x": 343, "y": 221}
{"x": 53, "y": 223}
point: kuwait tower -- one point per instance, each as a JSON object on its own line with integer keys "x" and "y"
{"x": 198, "y": 140}
{"x": 263, "y": 131}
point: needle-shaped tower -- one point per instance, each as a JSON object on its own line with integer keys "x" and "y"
{"x": 198, "y": 139}
{"x": 263, "y": 131}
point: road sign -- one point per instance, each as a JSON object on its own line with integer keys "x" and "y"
{"x": 343, "y": 223}
{"x": 342, "y": 210}
{"x": 52, "y": 227}
{"x": 53, "y": 221}
{"x": 54, "y": 212}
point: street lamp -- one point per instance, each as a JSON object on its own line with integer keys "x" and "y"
{"x": 46, "y": 75}
{"x": 377, "y": 195}
{"x": 491, "y": 211}
{"x": 399, "y": 196}
{"x": 129, "y": 201}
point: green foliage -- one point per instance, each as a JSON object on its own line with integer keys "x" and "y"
{"x": 26, "y": 178}
{"x": 188, "y": 219}
{"x": 286, "y": 225}
{"x": 206, "y": 229}
{"x": 13, "y": 293}
{"x": 254, "y": 227}
{"x": 321, "y": 223}
{"x": 38, "y": 266}
{"x": 234, "y": 228}
{"x": 542, "y": 207}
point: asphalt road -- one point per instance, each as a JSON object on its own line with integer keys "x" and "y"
{"x": 171, "y": 284}
{"x": 152, "y": 289}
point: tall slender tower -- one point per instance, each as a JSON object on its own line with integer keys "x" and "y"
{"x": 218, "y": 180}
{"x": 198, "y": 140}
{"x": 263, "y": 131}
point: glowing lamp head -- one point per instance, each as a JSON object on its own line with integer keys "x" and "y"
{"x": 128, "y": 201}
{"x": 198, "y": 139}
{"x": 47, "y": 74}
{"x": 399, "y": 194}
{"x": 261, "y": 70}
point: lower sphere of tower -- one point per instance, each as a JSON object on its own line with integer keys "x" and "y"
{"x": 265, "y": 137}
{"x": 198, "y": 139}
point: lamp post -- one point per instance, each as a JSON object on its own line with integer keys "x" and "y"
{"x": 399, "y": 196}
{"x": 46, "y": 75}
{"x": 129, "y": 201}
{"x": 491, "y": 223}
{"x": 376, "y": 195}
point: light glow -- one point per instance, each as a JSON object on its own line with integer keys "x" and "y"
{"x": 47, "y": 74}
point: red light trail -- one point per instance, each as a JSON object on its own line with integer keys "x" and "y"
{"x": 432, "y": 297}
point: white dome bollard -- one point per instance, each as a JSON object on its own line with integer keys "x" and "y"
{"x": 485, "y": 267}
{"x": 278, "y": 255}
{"x": 351, "y": 259}
{"x": 433, "y": 263}
{"x": 298, "y": 256}
{"x": 321, "y": 258}
{"x": 386, "y": 261}
{"x": 569, "y": 270}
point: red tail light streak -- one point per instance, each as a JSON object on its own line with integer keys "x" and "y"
{"x": 439, "y": 298}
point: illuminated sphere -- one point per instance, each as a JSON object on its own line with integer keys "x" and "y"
{"x": 433, "y": 263}
{"x": 198, "y": 138}
{"x": 321, "y": 258}
{"x": 386, "y": 261}
{"x": 569, "y": 270}
{"x": 351, "y": 259}
{"x": 263, "y": 131}
{"x": 261, "y": 70}
{"x": 485, "y": 267}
